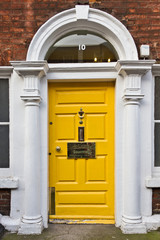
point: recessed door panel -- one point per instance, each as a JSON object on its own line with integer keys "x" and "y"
{"x": 83, "y": 182}
{"x": 81, "y": 197}
{"x": 62, "y": 174}
{"x": 96, "y": 169}
{"x": 96, "y": 122}
{"x": 65, "y": 127}
{"x": 84, "y": 96}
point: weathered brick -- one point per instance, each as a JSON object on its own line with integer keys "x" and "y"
{"x": 17, "y": 6}
{"x": 6, "y": 18}
{"x": 5, "y": 196}
{"x": 156, "y": 201}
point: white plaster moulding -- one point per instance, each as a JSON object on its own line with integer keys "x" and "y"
{"x": 82, "y": 72}
{"x": 9, "y": 182}
{"x": 83, "y": 67}
{"x": 93, "y": 20}
{"x": 28, "y": 63}
{"x": 29, "y": 68}
{"x": 134, "y": 96}
{"x": 31, "y": 97}
{"x": 134, "y": 66}
{"x": 156, "y": 70}
{"x": 5, "y": 71}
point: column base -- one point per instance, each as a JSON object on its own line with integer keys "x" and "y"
{"x": 138, "y": 228}
{"x": 30, "y": 226}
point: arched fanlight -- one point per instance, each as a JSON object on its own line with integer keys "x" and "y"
{"x": 81, "y": 47}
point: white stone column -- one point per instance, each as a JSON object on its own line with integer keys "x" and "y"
{"x": 132, "y": 72}
{"x": 32, "y": 222}
{"x": 131, "y": 218}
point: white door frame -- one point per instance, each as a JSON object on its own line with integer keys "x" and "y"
{"x": 127, "y": 74}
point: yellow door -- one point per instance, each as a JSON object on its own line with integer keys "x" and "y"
{"x": 81, "y": 188}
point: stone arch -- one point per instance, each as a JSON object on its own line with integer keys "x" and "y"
{"x": 82, "y": 17}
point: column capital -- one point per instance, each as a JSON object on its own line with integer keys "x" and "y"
{"x": 30, "y": 68}
{"x": 32, "y": 72}
{"x": 132, "y": 72}
{"x": 132, "y": 89}
{"x": 131, "y": 67}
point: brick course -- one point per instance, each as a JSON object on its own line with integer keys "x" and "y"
{"x": 20, "y": 19}
{"x": 5, "y": 197}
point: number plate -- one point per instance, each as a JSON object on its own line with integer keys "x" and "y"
{"x": 81, "y": 150}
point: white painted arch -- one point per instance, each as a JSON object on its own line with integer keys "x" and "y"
{"x": 82, "y": 17}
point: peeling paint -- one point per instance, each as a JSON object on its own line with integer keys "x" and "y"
{"x": 81, "y": 221}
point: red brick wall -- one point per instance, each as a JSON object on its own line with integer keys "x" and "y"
{"x": 20, "y": 19}
{"x": 5, "y": 196}
{"x": 156, "y": 201}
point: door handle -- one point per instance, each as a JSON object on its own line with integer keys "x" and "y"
{"x": 58, "y": 148}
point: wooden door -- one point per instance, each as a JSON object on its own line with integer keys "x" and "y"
{"x": 83, "y": 188}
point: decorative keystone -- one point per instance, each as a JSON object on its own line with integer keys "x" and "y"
{"x": 82, "y": 12}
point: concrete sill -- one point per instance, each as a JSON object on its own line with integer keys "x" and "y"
{"x": 152, "y": 182}
{"x": 9, "y": 182}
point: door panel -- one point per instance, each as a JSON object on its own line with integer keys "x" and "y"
{"x": 96, "y": 170}
{"x": 84, "y": 188}
{"x": 83, "y": 96}
{"x": 95, "y": 126}
{"x": 65, "y": 127}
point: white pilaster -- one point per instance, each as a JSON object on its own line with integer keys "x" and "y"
{"x": 31, "y": 72}
{"x": 132, "y": 72}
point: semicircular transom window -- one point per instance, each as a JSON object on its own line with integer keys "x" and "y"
{"x": 81, "y": 47}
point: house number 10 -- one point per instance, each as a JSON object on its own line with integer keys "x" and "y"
{"x": 82, "y": 47}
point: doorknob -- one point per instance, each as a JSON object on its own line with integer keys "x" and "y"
{"x": 58, "y": 148}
